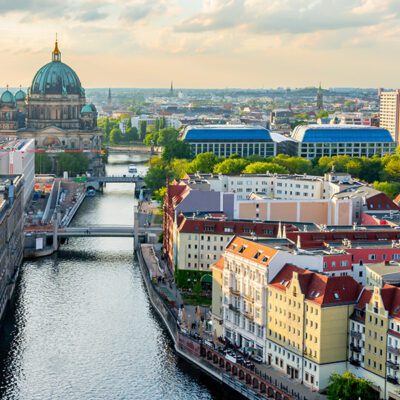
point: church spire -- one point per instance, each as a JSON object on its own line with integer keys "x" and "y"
{"x": 56, "y": 55}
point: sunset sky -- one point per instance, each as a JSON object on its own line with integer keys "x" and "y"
{"x": 205, "y": 43}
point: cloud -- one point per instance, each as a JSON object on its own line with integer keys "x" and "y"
{"x": 291, "y": 16}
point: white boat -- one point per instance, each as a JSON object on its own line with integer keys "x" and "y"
{"x": 132, "y": 168}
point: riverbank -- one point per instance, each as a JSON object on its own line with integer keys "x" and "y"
{"x": 250, "y": 380}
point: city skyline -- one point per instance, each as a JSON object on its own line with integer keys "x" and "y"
{"x": 207, "y": 43}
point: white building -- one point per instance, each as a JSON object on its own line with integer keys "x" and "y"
{"x": 390, "y": 112}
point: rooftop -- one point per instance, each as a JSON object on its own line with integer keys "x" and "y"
{"x": 341, "y": 134}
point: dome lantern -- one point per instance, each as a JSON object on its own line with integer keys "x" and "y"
{"x": 56, "y": 54}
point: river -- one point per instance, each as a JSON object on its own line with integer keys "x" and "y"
{"x": 82, "y": 326}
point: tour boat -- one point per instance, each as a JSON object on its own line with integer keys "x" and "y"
{"x": 132, "y": 168}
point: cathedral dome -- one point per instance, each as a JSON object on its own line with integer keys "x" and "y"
{"x": 7, "y": 98}
{"x": 20, "y": 95}
{"x": 86, "y": 109}
{"x": 56, "y": 78}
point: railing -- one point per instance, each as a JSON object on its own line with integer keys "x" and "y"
{"x": 393, "y": 350}
{"x": 393, "y": 379}
{"x": 393, "y": 365}
{"x": 356, "y": 334}
{"x": 234, "y": 308}
{"x": 355, "y": 362}
{"x": 235, "y": 292}
{"x": 355, "y": 348}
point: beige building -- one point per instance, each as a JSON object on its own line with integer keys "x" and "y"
{"x": 307, "y": 324}
{"x": 216, "y": 309}
{"x": 374, "y": 340}
{"x": 390, "y": 112}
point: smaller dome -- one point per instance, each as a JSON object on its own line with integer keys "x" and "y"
{"x": 7, "y": 98}
{"x": 93, "y": 107}
{"x": 20, "y": 95}
{"x": 86, "y": 109}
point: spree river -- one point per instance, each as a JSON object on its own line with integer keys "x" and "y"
{"x": 82, "y": 326}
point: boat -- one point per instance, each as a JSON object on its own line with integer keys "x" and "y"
{"x": 132, "y": 168}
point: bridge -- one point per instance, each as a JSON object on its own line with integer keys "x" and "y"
{"x": 92, "y": 231}
{"x": 98, "y": 182}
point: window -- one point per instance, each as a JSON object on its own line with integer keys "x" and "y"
{"x": 371, "y": 256}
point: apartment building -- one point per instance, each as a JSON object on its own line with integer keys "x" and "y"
{"x": 390, "y": 112}
{"x": 217, "y": 297}
{"x": 374, "y": 340}
{"x": 307, "y": 324}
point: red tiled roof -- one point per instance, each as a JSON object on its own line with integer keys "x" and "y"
{"x": 381, "y": 202}
{"x": 364, "y": 299}
{"x": 198, "y": 225}
{"x": 391, "y": 300}
{"x": 321, "y": 289}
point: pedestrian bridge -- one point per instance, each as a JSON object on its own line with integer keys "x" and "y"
{"x": 94, "y": 231}
{"x": 114, "y": 179}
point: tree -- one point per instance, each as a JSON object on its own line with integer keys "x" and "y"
{"x": 43, "y": 164}
{"x": 178, "y": 168}
{"x": 157, "y": 125}
{"x": 142, "y": 129}
{"x": 203, "y": 162}
{"x": 392, "y": 168}
{"x": 322, "y": 114}
{"x": 231, "y": 166}
{"x": 131, "y": 134}
{"x": 177, "y": 149}
{"x": 354, "y": 167}
{"x": 156, "y": 176}
{"x": 163, "y": 123}
{"x": 73, "y": 163}
{"x": 295, "y": 165}
{"x": 115, "y": 136}
{"x": 371, "y": 169}
{"x": 348, "y": 387}
{"x": 263, "y": 167}
{"x": 167, "y": 135}
{"x": 392, "y": 189}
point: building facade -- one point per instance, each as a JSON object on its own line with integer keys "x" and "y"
{"x": 389, "y": 116}
{"x": 53, "y": 113}
{"x": 226, "y": 140}
{"x": 315, "y": 141}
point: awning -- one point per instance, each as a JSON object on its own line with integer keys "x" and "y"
{"x": 207, "y": 278}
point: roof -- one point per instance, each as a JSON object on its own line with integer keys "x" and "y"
{"x": 251, "y": 250}
{"x": 321, "y": 289}
{"x": 239, "y": 133}
{"x": 219, "y": 264}
{"x": 391, "y": 300}
{"x": 341, "y": 133}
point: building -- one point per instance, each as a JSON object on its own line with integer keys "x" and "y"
{"x": 280, "y": 119}
{"x": 315, "y": 141}
{"x": 389, "y": 117}
{"x": 244, "y": 140}
{"x": 320, "y": 98}
{"x": 18, "y": 157}
{"x": 307, "y": 324}
{"x": 201, "y": 238}
{"x": 181, "y": 198}
{"x": 54, "y": 113}
{"x": 11, "y": 236}
{"x": 275, "y": 186}
{"x": 217, "y": 298}
{"x": 381, "y": 274}
{"x": 374, "y": 340}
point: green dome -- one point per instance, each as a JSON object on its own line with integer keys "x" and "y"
{"x": 86, "y": 109}
{"x": 56, "y": 78}
{"x": 20, "y": 95}
{"x": 7, "y": 97}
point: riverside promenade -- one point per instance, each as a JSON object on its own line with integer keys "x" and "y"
{"x": 252, "y": 380}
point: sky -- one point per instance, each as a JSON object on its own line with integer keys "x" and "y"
{"x": 205, "y": 43}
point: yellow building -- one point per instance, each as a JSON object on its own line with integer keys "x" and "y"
{"x": 307, "y": 321}
{"x": 216, "y": 309}
{"x": 374, "y": 340}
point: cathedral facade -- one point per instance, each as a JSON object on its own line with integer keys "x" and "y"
{"x": 54, "y": 112}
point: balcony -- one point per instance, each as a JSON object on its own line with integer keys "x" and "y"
{"x": 234, "y": 308}
{"x": 392, "y": 365}
{"x": 356, "y": 334}
{"x": 248, "y": 298}
{"x": 393, "y": 350}
{"x": 355, "y": 348}
{"x": 393, "y": 379}
{"x": 248, "y": 315}
{"x": 233, "y": 291}
{"x": 355, "y": 362}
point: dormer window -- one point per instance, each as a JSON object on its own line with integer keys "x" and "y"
{"x": 242, "y": 249}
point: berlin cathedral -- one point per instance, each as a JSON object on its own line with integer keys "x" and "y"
{"x": 54, "y": 112}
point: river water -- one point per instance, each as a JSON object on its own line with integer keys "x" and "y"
{"x": 82, "y": 326}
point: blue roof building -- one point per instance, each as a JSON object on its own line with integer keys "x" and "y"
{"x": 316, "y": 141}
{"x": 244, "y": 140}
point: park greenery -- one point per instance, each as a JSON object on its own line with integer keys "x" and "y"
{"x": 73, "y": 163}
{"x": 348, "y": 387}
{"x": 112, "y": 133}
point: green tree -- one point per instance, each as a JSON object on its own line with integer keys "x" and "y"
{"x": 371, "y": 169}
{"x": 132, "y": 134}
{"x": 157, "y": 125}
{"x": 177, "y": 149}
{"x": 203, "y": 162}
{"x": 295, "y": 165}
{"x": 142, "y": 129}
{"x": 73, "y": 163}
{"x": 163, "y": 123}
{"x": 392, "y": 189}
{"x": 263, "y": 167}
{"x": 392, "y": 168}
{"x": 43, "y": 163}
{"x": 116, "y": 136}
{"x": 156, "y": 175}
{"x": 322, "y": 114}
{"x": 354, "y": 167}
{"x": 348, "y": 387}
{"x": 231, "y": 166}
{"x": 167, "y": 135}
